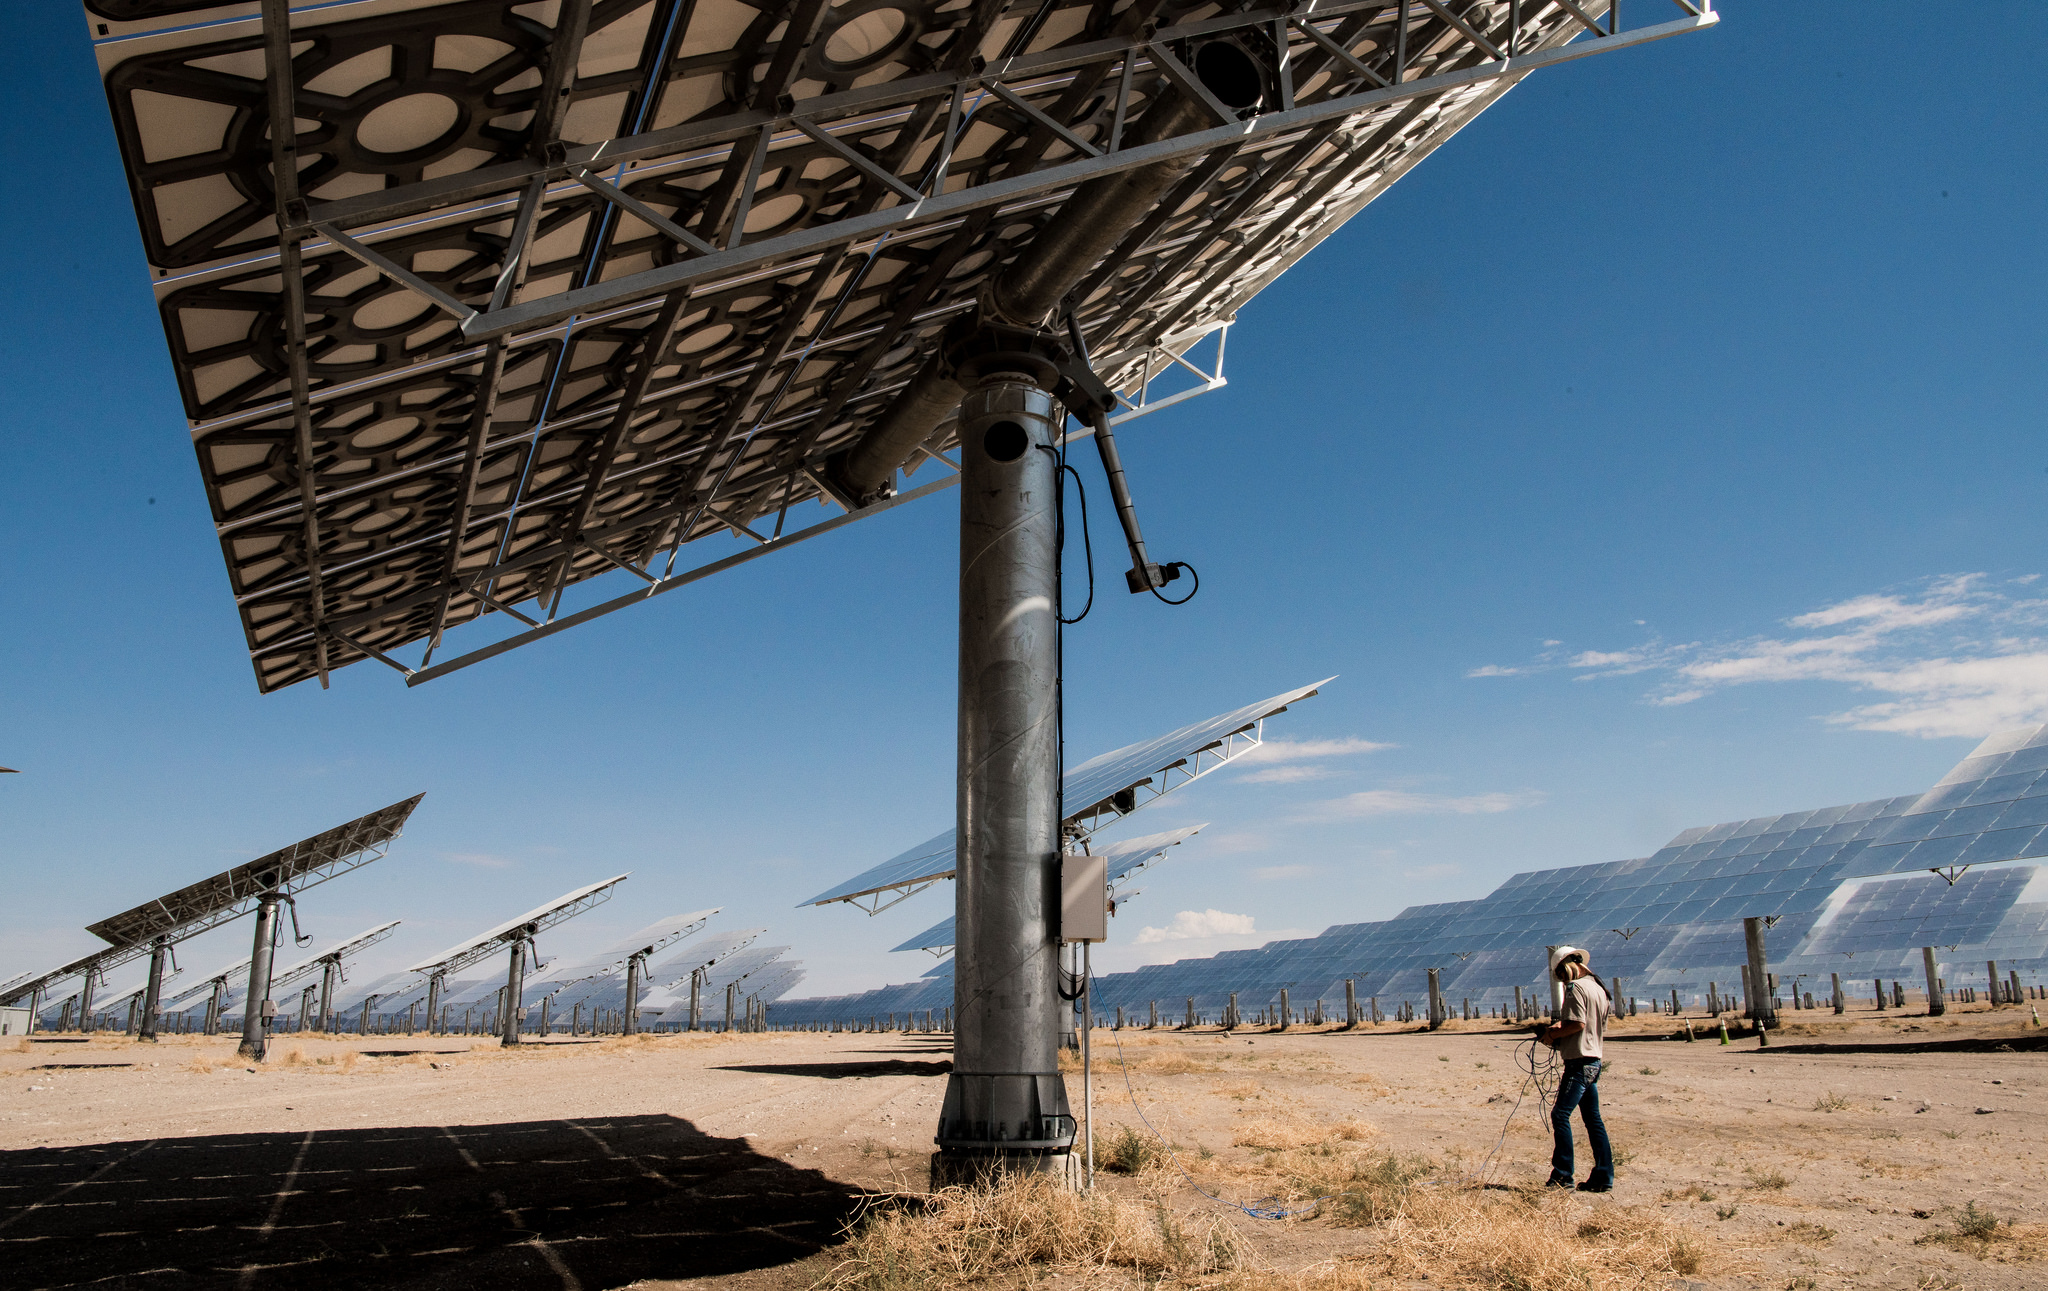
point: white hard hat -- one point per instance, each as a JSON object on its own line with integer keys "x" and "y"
{"x": 1560, "y": 955}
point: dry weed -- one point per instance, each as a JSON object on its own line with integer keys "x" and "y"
{"x": 1533, "y": 1241}
{"x": 1976, "y": 1231}
{"x": 966, "y": 1234}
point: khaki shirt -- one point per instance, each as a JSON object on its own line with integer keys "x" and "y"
{"x": 1586, "y": 1004}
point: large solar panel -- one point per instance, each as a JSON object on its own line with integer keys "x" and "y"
{"x": 1100, "y": 791}
{"x": 567, "y": 906}
{"x": 1669, "y": 921}
{"x": 538, "y": 291}
{"x": 1125, "y": 858}
{"x": 230, "y": 894}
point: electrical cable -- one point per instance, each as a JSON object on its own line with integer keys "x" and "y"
{"x": 1181, "y": 564}
{"x": 1087, "y": 547}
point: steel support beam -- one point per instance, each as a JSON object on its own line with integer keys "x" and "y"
{"x": 152, "y": 994}
{"x": 515, "y": 992}
{"x": 255, "y": 1025}
{"x": 1005, "y": 1103}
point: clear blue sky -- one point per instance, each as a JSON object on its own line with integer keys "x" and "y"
{"x": 1673, "y": 399}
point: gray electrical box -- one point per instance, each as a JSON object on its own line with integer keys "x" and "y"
{"x": 1084, "y": 898}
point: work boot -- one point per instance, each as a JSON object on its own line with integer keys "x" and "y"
{"x": 1597, "y": 1182}
{"x": 1557, "y": 1180}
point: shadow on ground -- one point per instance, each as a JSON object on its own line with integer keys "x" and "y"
{"x": 842, "y": 1070}
{"x": 547, "y": 1204}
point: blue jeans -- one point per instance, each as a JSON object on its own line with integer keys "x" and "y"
{"x": 1580, "y": 1088}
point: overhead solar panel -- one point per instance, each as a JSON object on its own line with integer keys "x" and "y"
{"x": 1100, "y": 791}
{"x": 541, "y": 292}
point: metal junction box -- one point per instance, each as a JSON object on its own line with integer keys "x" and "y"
{"x": 1084, "y": 898}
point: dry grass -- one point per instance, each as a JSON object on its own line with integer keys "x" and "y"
{"x": 1272, "y": 1134}
{"x": 1978, "y": 1232}
{"x": 1533, "y": 1241}
{"x": 1831, "y": 1102}
{"x": 964, "y": 1235}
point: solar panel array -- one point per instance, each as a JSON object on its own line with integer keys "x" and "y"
{"x": 1855, "y": 890}
{"x": 1097, "y": 793}
{"x": 539, "y": 291}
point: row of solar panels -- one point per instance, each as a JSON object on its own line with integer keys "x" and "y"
{"x": 1658, "y": 922}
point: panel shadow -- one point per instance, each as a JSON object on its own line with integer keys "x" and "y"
{"x": 596, "y": 1202}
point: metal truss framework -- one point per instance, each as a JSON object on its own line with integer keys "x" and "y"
{"x": 612, "y": 968}
{"x": 525, "y": 928}
{"x": 1082, "y": 826}
{"x": 308, "y": 968}
{"x": 675, "y": 254}
{"x": 227, "y": 896}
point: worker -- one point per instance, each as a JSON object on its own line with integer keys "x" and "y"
{"x": 1576, "y": 1034}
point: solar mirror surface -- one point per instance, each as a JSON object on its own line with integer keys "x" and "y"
{"x": 538, "y": 293}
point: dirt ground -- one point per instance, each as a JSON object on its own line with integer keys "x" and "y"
{"x": 737, "y": 1161}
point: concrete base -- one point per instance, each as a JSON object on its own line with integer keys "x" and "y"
{"x": 979, "y": 1170}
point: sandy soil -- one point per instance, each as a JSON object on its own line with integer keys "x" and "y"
{"x": 738, "y": 1160}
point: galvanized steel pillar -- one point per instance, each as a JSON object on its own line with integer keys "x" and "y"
{"x": 515, "y": 991}
{"x": 1761, "y": 1011}
{"x": 1006, "y": 1104}
{"x": 633, "y": 963}
{"x": 153, "y": 993}
{"x": 257, "y": 1003}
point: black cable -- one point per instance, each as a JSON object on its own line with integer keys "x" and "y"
{"x": 1087, "y": 547}
{"x": 1181, "y": 564}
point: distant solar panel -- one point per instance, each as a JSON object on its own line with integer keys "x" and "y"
{"x": 537, "y": 292}
{"x": 1100, "y": 791}
{"x": 1126, "y": 857}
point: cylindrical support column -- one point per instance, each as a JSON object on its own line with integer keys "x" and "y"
{"x": 328, "y": 972}
{"x": 1937, "y": 1001}
{"x": 153, "y": 993}
{"x": 1761, "y": 1011}
{"x": 1285, "y": 1013}
{"x": 434, "y": 1000}
{"x": 633, "y": 965}
{"x": 85, "y": 1000}
{"x": 256, "y": 1005}
{"x": 1994, "y": 996}
{"x": 1836, "y": 982}
{"x": 725, "y": 1023}
{"x": 515, "y": 991}
{"x": 1350, "y": 1002}
{"x": 1006, "y": 1104}
{"x": 1436, "y": 999}
{"x": 696, "y": 998}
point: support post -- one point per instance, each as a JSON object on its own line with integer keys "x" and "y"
{"x": 1005, "y": 1103}
{"x": 256, "y": 1006}
{"x": 434, "y": 1000}
{"x": 1350, "y": 1004}
{"x": 1937, "y": 1002}
{"x": 1436, "y": 999}
{"x": 153, "y": 993}
{"x": 1991, "y": 975}
{"x": 696, "y": 998}
{"x": 328, "y": 972}
{"x": 725, "y": 1023}
{"x": 1285, "y": 1014}
{"x": 85, "y": 1000}
{"x": 1839, "y": 1002}
{"x": 1761, "y": 1011}
{"x": 633, "y": 965}
{"x": 515, "y": 991}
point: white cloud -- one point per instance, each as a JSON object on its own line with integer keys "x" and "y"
{"x": 1275, "y": 873}
{"x": 1190, "y": 925}
{"x": 1403, "y": 802}
{"x": 1286, "y": 775}
{"x": 482, "y": 860}
{"x": 1958, "y": 655}
{"x": 1495, "y": 670}
{"x": 1300, "y": 750}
